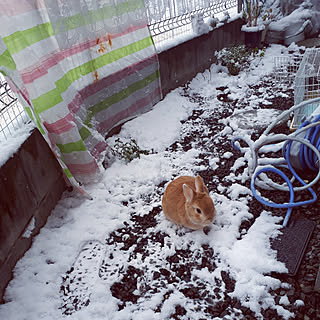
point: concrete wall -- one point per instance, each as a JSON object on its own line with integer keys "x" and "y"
{"x": 31, "y": 183}
{"x": 181, "y": 63}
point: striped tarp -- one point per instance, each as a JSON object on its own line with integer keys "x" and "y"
{"x": 80, "y": 67}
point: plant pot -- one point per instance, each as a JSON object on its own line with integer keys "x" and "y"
{"x": 253, "y": 36}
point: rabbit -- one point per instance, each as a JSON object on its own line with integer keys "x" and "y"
{"x": 186, "y": 202}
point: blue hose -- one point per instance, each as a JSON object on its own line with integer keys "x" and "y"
{"x": 291, "y": 203}
{"x": 309, "y": 158}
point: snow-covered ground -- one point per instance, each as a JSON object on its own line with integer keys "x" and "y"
{"x": 79, "y": 225}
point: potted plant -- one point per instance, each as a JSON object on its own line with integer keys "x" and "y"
{"x": 257, "y": 23}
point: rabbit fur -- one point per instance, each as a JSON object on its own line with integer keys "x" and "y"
{"x": 186, "y": 202}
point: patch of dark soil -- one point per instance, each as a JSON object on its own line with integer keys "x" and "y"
{"x": 124, "y": 289}
{"x": 179, "y": 313}
{"x": 146, "y": 221}
{"x": 229, "y": 283}
{"x": 179, "y": 269}
{"x": 222, "y": 88}
{"x": 280, "y": 102}
{"x": 195, "y": 115}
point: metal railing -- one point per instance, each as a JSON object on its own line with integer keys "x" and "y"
{"x": 168, "y": 18}
{"x": 12, "y": 114}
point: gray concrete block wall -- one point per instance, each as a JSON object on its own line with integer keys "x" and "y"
{"x": 180, "y": 64}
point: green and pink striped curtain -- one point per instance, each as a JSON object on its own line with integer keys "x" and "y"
{"x": 80, "y": 67}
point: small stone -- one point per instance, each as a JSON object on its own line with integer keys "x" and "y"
{"x": 291, "y": 292}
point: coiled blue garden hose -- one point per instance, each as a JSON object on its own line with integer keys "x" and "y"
{"x": 300, "y": 151}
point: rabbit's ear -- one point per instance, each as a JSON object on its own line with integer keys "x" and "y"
{"x": 200, "y": 187}
{"x": 188, "y": 193}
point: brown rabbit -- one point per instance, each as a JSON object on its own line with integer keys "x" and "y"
{"x": 186, "y": 202}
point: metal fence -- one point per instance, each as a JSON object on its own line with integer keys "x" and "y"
{"x": 286, "y": 67}
{"x": 170, "y": 18}
{"x": 12, "y": 114}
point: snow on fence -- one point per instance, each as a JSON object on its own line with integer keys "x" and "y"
{"x": 169, "y": 18}
{"x": 12, "y": 113}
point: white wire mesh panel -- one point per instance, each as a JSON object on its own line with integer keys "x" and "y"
{"x": 307, "y": 85}
{"x": 286, "y": 67}
{"x": 169, "y": 18}
{"x": 12, "y": 114}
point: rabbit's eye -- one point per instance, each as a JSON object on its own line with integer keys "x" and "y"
{"x": 198, "y": 210}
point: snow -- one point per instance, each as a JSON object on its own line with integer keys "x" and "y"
{"x": 252, "y": 29}
{"x": 299, "y": 15}
{"x": 28, "y": 232}
{"x": 299, "y": 303}
{"x": 10, "y": 146}
{"x": 285, "y": 301}
{"x": 252, "y": 285}
{"x": 162, "y": 125}
{"x": 213, "y": 162}
{"x": 78, "y": 224}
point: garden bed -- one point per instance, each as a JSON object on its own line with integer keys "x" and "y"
{"x": 121, "y": 259}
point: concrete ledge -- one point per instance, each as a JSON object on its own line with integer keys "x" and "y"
{"x": 31, "y": 184}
